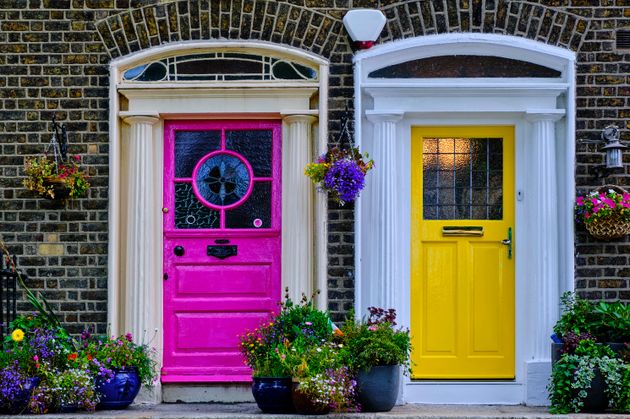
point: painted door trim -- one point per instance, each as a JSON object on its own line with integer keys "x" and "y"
{"x": 472, "y": 101}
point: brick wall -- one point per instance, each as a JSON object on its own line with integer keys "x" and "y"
{"x": 53, "y": 61}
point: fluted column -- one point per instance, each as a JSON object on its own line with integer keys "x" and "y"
{"x": 543, "y": 206}
{"x": 141, "y": 279}
{"x": 297, "y": 207}
{"x": 544, "y": 211}
{"x": 380, "y": 217}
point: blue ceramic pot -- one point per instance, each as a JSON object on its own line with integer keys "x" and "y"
{"x": 120, "y": 391}
{"x": 273, "y": 394}
{"x": 378, "y": 388}
{"x": 18, "y": 405}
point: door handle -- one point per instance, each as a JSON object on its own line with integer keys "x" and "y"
{"x": 179, "y": 250}
{"x": 508, "y": 242}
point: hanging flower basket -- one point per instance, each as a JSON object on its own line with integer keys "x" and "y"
{"x": 340, "y": 172}
{"x": 55, "y": 180}
{"x": 605, "y": 212}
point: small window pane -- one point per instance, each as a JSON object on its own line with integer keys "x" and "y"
{"x": 255, "y": 146}
{"x": 189, "y": 212}
{"x": 255, "y": 212}
{"x": 190, "y": 147}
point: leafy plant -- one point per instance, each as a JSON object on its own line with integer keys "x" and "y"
{"x": 44, "y": 174}
{"x": 612, "y": 321}
{"x": 70, "y": 387}
{"x": 376, "y": 342}
{"x": 299, "y": 325}
{"x": 120, "y": 353}
{"x": 577, "y": 315}
{"x": 573, "y": 374}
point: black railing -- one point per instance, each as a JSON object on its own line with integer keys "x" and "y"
{"x": 8, "y": 295}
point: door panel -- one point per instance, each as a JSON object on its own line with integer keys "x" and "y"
{"x": 221, "y": 243}
{"x": 462, "y": 277}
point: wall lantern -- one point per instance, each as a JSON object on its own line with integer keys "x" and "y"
{"x": 614, "y": 151}
{"x": 364, "y": 26}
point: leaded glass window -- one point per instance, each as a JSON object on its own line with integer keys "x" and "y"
{"x": 462, "y": 178}
{"x": 220, "y": 66}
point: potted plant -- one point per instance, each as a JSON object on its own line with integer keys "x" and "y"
{"x": 605, "y": 212}
{"x": 377, "y": 350}
{"x": 120, "y": 366}
{"x": 340, "y": 172}
{"x": 55, "y": 179}
{"x": 263, "y": 350}
{"x": 271, "y": 383}
{"x": 589, "y": 380}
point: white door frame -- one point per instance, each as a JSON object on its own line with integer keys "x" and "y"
{"x": 137, "y": 114}
{"x": 542, "y": 111}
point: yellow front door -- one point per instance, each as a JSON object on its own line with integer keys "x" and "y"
{"x": 462, "y": 254}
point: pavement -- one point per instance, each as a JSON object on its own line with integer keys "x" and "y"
{"x": 250, "y": 410}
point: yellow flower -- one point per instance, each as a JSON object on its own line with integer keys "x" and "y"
{"x": 17, "y": 335}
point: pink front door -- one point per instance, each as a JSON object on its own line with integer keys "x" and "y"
{"x": 222, "y": 228}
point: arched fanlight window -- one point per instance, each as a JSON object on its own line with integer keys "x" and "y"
{"x": 466, "y": 66}
{"x": 220, "y": 66}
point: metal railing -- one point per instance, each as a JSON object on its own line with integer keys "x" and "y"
{"x": 8, "y": 295}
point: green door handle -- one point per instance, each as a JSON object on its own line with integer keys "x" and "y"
{"x": 508, "y": 242}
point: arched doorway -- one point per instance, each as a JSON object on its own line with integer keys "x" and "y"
{"x": 475, "y": 268}
{"x": 195, "y": 89}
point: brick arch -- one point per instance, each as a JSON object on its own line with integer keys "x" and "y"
{"x": 279, "y": 22}
{"x": 528, "y": 19}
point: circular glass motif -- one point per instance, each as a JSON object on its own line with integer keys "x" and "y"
{"x": 222, "y": 180}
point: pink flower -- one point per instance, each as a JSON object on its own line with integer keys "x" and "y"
{"x": 580, "y": 200}
{"x": 35, "y": 358}
{"x": 129, "y": 337}
{"x": 372, "y": 328}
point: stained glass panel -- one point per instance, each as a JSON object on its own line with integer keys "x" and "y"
{"x": 222, "y": 180}
{"x": 253, "y": 213}
{"x": 255, "y": 146}
{"x": 190, "y": 147}
{"x": 189, "y": 212}
{"x": 462, "y": 178}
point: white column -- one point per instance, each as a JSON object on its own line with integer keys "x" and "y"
{"x": 543, "y": 259}
{"x": 380, "y": 217}
{"x": 142, "y": 280}
{"x": 297, "y": 207}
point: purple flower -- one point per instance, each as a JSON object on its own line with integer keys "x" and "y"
{"x": 346, "y": 179}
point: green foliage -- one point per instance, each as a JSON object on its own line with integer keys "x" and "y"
{"x": 297, "y": 326}
{"x": 375, "y": 343}
{"x": 573, "y": 374}
{"x": 611, "y": 321}
{"x": 303, "y": 358}
{"x": 577, "y": 315}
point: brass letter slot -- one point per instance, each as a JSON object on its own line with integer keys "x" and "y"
{"x": 462, "y": 231}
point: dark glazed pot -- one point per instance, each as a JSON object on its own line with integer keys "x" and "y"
{"x": 596, "y": 399}
{"x": 273, "y": 394}
{"x": 18, "y": 405}
{"x": 378, "y": 388}
{"x": 120, "y": 391}
{"x": 556, "y": 352}
{"x": 304, "y": 405}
